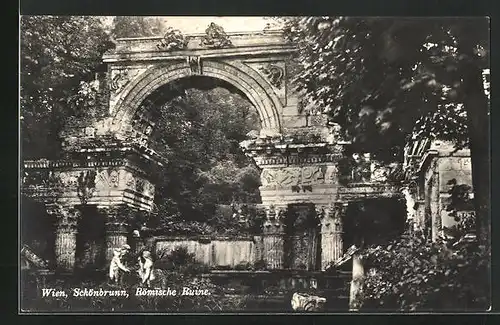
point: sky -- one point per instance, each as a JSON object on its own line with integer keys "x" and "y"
{"x": 198, "y": 24}
{"x": 230, "y": 24}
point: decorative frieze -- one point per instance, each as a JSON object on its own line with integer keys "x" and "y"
{"x": 86, "y": 185}
{"x": 292, "y": 176}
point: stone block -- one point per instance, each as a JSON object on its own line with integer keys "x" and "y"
{"x": 297, "y": 121}
{"x": 290, "y": 110}
{"x": 445, "y": 164}
{"x": 466, "y": 164}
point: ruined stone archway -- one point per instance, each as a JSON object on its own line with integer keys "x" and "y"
{"x": 252, "y": 85}
{"x": 103, "y": 166}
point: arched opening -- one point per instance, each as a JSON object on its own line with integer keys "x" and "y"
{"x": 239, "y": 76}
{"x": 197, "y": 123}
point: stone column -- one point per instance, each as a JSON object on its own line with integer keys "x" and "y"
{"x": 331, "y": 233}
{"x": 116, "y": 229}
{"x": 65, "y": 236}
{"x": 273, "y": 238}
{"x": 356, "y": 290}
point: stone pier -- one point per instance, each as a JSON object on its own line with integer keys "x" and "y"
{"x": 331, "y": 233}
{"x": 65, "y": 237}
{"x": 356, "y": 290}
{"x": 273, "y": 238}
{"x": 116, "y": 229}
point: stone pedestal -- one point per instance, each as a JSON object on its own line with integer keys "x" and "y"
{"x": 116, "y": 229}
{"x": 273, "y": 238}
{"x": 356, "y": 291}
{"x": 65, "y": 236}
{"x": 331, "y": 233}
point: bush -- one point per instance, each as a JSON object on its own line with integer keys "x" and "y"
{"x": 412, "y": 274}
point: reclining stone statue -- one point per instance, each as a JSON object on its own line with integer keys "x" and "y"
{"x": 306, "y": 302}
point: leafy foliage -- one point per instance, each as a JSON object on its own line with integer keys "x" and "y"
{"x": 388, "y": 76}
{"x": 199, "y": 133}
{"x": 59, "y": 59}
{"x": 387, "y": 80}
{"x": 137, "y": 26}
{"x": 412, "y": 274}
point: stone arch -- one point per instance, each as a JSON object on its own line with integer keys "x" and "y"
{"x": 256, "y": 89}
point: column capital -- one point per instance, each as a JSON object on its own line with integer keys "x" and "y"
{"x": 67, "y": 217}
{"x": 274, "y": 221}
{"x": 331, "y": 216}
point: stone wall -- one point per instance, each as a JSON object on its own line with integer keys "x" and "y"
{"x": 216, "y": 252}
{"x": 458, "y": 168}
{"x": 439, "y": 165}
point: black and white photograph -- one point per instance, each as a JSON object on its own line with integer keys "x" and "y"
{"x": 254, "y": 164}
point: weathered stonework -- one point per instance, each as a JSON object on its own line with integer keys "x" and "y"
{"x": 66, "y": 229}
{"x": 109, "y": 163}
{"x": 303, "y": 236}
{"x": 273, "y": 238}
{"x": 117, "y": 228}
{"x": 331, "y": 233}
{"x": 432, "y": 166}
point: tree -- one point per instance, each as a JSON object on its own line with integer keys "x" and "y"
{"x": 386, "y": 80}
{"x": 136, "y": 26}
{"x": 199, "y": 131}
{"x": 59, "y": 59}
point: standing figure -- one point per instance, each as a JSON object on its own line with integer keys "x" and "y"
{"x": 146, "y": 268}
{"x": 116, "y": 267}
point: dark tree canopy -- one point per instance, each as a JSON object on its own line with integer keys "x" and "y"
{"x": 199, "y": 133}
{"x": 59, "y": 59}
{"x": 136, "y": 26}
{"x": 390, "y": 80}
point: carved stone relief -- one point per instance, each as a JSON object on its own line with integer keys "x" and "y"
{"x": 130, "y": 180}
{"x": 312, "y": 175}
{"x": 331, "y": 175}
{"x": 119, "y": 78}
{"x": 69, "y": 179}
{"x": 292, "y": 176}
{"x": 114, "y": 178}
{"x": 275, "y": 73}
{"x": 215, "y": 37}
{"x": 107, "y": 179}
{"x": 194, "y": 63}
